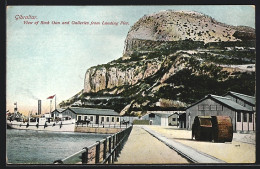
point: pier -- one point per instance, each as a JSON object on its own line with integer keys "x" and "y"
{"x": 167, "y": 145}
{"x": 101, "y": 129}
{"x": 145, "y": 144}
{"x": 142, "y": 148}
{"x": 105, "y": 151}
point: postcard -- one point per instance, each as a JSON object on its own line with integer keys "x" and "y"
{"x": 155, "y": 84}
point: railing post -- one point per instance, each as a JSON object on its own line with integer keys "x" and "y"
{"x": 109, "y": 150}
{"x": 105, "y": 149}
{"x": 116, "y": 150}
{"x": 85, "y": 156}
{"x": 97, "y": 152}
{"x": 113, "y": 154}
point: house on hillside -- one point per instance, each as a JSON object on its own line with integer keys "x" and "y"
{"x": 96, "y": 116}
{"x": 233, "y": 104}
{"x": 156, "y": 118}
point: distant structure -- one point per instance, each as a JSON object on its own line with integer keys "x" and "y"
{"x": 95, "y": 116}
{"x": 157, "y": 118}
{"x": 240, "y": 108}
{"x": 39, "y": 107}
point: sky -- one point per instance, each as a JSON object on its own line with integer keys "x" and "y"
{"x": 48, "y": 59}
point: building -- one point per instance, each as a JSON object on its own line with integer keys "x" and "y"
{"x": 176, "y": 119}
{"x": 242, "y": 115}
{"x": 156, "y": 118}
{"x": 248, "y": 102}
{"x": 57, "y": 113}
{"x": 96, "y": 116}
{"x": 242, "y": 99}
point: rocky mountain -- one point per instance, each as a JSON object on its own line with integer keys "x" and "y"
{"x": 181, "y": 25}
{"x": 170, "y": 60}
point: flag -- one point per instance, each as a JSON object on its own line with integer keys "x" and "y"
{"x": 51, "y": 97}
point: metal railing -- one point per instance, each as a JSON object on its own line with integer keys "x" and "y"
{"x": 105, "y": 151}
{"x": 102, "y": 125}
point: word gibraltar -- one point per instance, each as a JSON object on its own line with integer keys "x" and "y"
{"x": 17, "y": 17}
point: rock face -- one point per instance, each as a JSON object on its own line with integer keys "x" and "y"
{"x": 104, "y": 77}
{"x": 180, "y": 25}
{"x": 151, "y": 31}
{"x": 172, "y": 59}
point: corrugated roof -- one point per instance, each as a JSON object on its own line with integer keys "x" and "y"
{"x": 161, "y": 114}
{"x": 224, "y": 100}
{"x": 93, "y": 111}
{"x": 228, "y": 102}
{"x": 58, "y": 110}
{"x": 244, "y": 97}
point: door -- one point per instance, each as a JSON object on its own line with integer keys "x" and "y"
{"x": 97, "y": 119}
{"x": 150, "y": 122}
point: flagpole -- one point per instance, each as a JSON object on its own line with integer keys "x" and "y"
{"x": 50, "y": 106}
{"x": 55, "y": 102}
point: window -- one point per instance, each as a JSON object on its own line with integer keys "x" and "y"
{"x": 112, "y": 119}
{"x": 173, "y": 119}
{"x": 117, "y": 119}
{"x": 206, "y": 107}
{"x": 91, "y": 118}
{"x": 151, "y": 115}
{"x": 213, "y": 107}
{"x": 102, "y": 119}
{"x": 201, "y": 107}
{"x": 219, "y": 107}
{"x": 107, "y": 119}
{"x": 238, "y": 117}
{"x": 79, "y": 118}
{"x": 250, "y": 117}
{"x": 244, "y": 117}
{"x": 85, "y": 118}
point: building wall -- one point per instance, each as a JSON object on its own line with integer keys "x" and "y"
{"x": 173, "y": 120}
{"x": 129, "y": 118}
{"x": 69, "y": 113}
{"x": 109, "y": 119}
{"x": 208, "y": 107}
{"x": 164, "y": 121}
{"x": 55, "y": 114}
{"x": 92, "y": 118}
{"x": 245, "y": 125}
{"x": 156, "y": 120}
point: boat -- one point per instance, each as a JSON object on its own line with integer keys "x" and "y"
{"x": 42, "y": 122}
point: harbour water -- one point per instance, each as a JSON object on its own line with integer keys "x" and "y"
{"x": 42, "y": 147}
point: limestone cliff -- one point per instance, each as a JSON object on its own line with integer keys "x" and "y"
{"x": 170, "y": 60}
{"x": 110, "y": 76}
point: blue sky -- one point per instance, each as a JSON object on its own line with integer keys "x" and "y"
{"x": 43, "y": 60}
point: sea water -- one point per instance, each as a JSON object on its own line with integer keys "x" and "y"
{"x": 44, "y": 147}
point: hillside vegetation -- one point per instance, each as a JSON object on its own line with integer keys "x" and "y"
{"x": 168, "y": 66}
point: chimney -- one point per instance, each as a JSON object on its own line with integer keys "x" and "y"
{"x": 39, "y": 107}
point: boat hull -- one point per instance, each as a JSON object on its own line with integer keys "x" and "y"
{"x": 61, "y": 126}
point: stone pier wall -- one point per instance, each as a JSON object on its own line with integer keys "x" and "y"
{"x": 97, "y": 130}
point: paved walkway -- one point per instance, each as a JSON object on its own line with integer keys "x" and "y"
{"x": 190, "y": 153}
{"x": 240, "y": 150}
{"x": 143, "y": 148}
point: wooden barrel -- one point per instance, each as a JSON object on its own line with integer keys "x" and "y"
{"x": 222, "y": 129}
{"x": 201, "y": 128}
